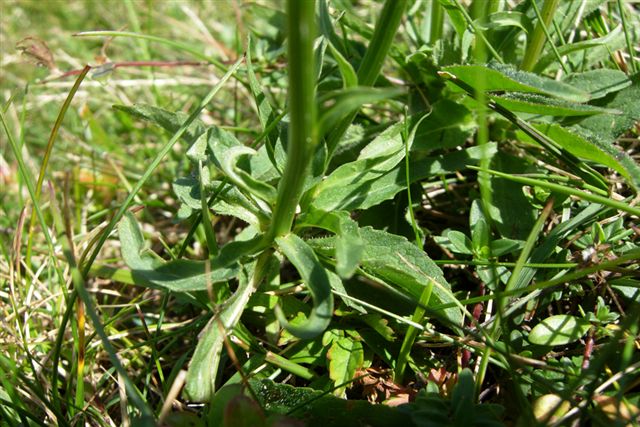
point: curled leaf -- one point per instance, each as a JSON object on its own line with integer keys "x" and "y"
{"x": 316, "y": 278}
{"x": 241, "y": 178}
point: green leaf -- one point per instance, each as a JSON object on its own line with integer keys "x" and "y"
{"x": 599, "y": 82}
{"x": 581, "y": 169}
{"x": 132, "y": 245}
{"x": 480, "y": 232}
{"x": 511, "y": 212}
{"x": 180, "y": 275}
{"x": 460, "y": 242}
{"x": 463, "y": 398}
{"x": 242, "y": 411}
{"x": 501, "y": 78}
{"x": 570, "y": 12}
{"x": 505, "y": 246}
{"x": 538, "y": 104}
{"x": 326, "y": 27}
{"x": 349, "y": 76}
{"x": 610, "y": 127}
{"x": 203, "y": 369}
{"x": 455, "y": 15}
{"x": 397, "y": 261}
{"x": 229, "y": 200}
{"x": 560, "y": 329}
{"x": 614, "y": 38}
{"x": 380, "y": 325}
{"x": 367, "y": 182}
{"x": 448, "y": 125}
{"x": 582, "y": 143}
{"x": 346, "y": 356}
{"x": 316, "y": 278}
{"x": 349, "y": 244}
{"x": 241, "y": 178}
{"x": 171, "y": 122}
{"x": 504, "y": 19}
{"x": 377, "y": 159}
{"x": 226, "y": 150}
{"x": 265, "y": 111}
{"x": 336, "y": 105}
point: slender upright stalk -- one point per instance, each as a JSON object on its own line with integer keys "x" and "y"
{"x": 627, "y": 36}
{"x": 302, "y": 114}
{"x": 437, "y": 21}
{"x": 383, "y": 35}
{"x": 534, "y": 48}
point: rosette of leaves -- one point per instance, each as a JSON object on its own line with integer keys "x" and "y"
{"x": 253, "y": 185}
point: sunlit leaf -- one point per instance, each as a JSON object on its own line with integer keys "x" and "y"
{"x": 560, "y": 329}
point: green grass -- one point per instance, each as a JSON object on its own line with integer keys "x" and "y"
{"x": 392, "y": 213}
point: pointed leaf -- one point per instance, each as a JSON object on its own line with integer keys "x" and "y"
{"x": 368, "y": 182}
{"x": 229, "y": 200}
{"x": 448, "y": 125}
{"x": 171, "y": 122}
{"x": 241, "y": 178}
{"x": 349, "y": 245}
{"x": 461, "y": 243}
{"x": 610, "y": 127}
{"x": 349, "y": 76}
{"x": 584, "y": 144}
{"x": 613, "y": 38}
{"x": 538, "y": 104}
{"x": 501, "y": 78}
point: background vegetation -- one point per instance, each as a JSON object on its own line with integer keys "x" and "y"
{"x": 433, "y": 226}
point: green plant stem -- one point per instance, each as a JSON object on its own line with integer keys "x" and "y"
{"x": 381, "y": 42}
{"x": 478, "y": 31}
{"x": 624, "y": 207}
{"x": 437, "y": 22}
{"x": 502, "y": 301}
{"x": 412, "y": 333}
{"x": 383, "y": 35}
{"x": 538, "y": 39}
{"x": 302, "y": 114}
{"x": 627, "y": 36}
{"x": 548, "y": 36}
